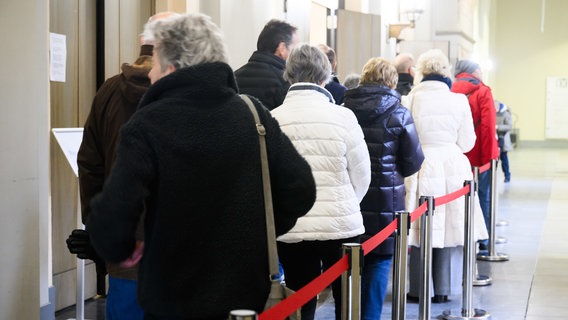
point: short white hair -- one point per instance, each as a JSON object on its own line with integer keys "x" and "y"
{"x": 433, "y": 61}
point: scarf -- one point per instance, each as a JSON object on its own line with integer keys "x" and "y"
{"x": 437, "y": 77}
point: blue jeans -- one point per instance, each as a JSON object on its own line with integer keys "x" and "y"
{"x": 484, "y": 194}
{"x": 374, "y": 284}
{"x": 121, "y": 303}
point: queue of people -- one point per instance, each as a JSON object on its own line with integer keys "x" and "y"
{"x": 185, "y": 167}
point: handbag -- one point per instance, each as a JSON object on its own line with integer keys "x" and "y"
{"x": 278, "y": 290}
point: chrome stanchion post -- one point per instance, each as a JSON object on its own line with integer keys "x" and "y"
{"x": 242, "y": 315}
{"x": 351, "y": 282}
{"x": 425, "y": 257}
{"x": 400, "y": 266}
{"x": 478, "y": 280}
{"x": 467, "y": 311}
{"x": 492, "y": 255}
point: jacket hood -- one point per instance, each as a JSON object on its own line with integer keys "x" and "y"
{"x": 370, "y": 101}
{"x": 465, "y": 83}
{"x": 134, "y": 79}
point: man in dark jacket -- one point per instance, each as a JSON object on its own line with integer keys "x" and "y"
{"x": 404, "y": 64}
{"x": 190, "y": 159}
{"x": 115, "y": 102}
{"x": 261, "y": 76}
{"x": 395, "y": 153}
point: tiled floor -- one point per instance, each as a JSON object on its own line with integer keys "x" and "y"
{"x": 533, "y": 284}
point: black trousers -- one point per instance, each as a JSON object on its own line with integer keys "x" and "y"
{"x": 303, "y": 261}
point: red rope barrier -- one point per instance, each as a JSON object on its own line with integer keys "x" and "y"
{"x": 485, "y": 167}
{"x": 309, "y": 291}
{"x": 418, "y": 212}
{"x": 452, "y": 196}
{"x": 302, "y": 296}
{"x": 377, "y": 239}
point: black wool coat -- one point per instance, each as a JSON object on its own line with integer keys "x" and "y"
{"x": 190, "y": 156}
{"x": 395, "y": 153}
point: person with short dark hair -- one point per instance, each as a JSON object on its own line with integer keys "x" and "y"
{"x": 189, "y": 158}
{"x": 261, "y": 76}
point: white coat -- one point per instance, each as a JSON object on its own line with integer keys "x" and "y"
{"x": 445, "y": 128}
{"x": 331, "y": 140}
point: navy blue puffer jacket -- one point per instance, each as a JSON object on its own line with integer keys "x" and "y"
{"x": 395, "y": 153}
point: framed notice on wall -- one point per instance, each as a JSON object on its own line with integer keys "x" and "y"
{"x": 556, "y": 107}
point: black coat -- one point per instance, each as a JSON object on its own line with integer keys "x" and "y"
{"x": 262, "y": 78}
{"x": 395, "y": 153}
{"x": 190, "y": 156}
{"x": 404, "y": 84}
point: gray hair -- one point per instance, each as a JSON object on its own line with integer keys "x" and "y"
{"x": 352, "y": 80}
{"x": 188, "y": 40}
{"x": 307, "y": 64}
{"x": 147, "y": 37}
{"x": 434, "y": 61}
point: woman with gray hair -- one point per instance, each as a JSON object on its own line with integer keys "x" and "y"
{"x": 189, "y": 159}
{"x": 444, "y": 125}
{"x": 331, "y": 140}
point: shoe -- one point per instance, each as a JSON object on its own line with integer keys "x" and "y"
{"x": 439, "y": 298}
{"x": 482, "y": 246}
{"x": 410, "y": 298}
{"x": 507, "y": 179}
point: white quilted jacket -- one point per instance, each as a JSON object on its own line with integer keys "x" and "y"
{"x": 331, "y": 140}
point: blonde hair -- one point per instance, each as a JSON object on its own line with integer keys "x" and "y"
{"x": 433, "y": 61}
{"x": 379, "y": 71}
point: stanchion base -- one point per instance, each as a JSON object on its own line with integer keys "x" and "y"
{"x": 502, "y": 223}
{"x": 497, "y": 257}
{"x": 500, "y": 240}
{"x": 477, "y": 314}
{"x": 482, "y": 280}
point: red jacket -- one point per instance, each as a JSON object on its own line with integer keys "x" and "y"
{"x": 483, "y": 114}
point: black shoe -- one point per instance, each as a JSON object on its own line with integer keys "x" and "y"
{"x": 410, "y": 298}
{"x": 482, "y": 246}
{"x": 440, "y": 298}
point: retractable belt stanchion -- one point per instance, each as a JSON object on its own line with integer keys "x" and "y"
{"x": 425, "y": 257}
{"x": 80, "y": 285}
{"x": 478, "y": 280}
{"x": 400, "y": 266}
{"x": 351, "y": 282}
{"x": 243, "y": 315}
{"x": 467, "y": 311}
{"x": 492, "y": 255}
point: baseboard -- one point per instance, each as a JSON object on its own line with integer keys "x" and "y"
{"x": 47, "y": 312}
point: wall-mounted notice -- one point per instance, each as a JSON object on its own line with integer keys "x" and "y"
{"x": 57, "y": 57}
{"x": 556, "y": 107}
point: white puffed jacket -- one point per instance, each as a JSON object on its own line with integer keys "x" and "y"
{"x": 445, "y": 128}
{"x": 330, "y": 139}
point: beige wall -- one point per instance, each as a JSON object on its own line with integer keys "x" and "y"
{"x": 524, "y": 56}
{"x": 24, "y": 181}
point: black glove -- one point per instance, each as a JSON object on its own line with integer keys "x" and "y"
{"x": 79, "y": 243}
